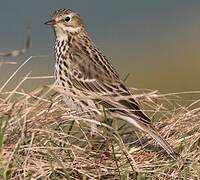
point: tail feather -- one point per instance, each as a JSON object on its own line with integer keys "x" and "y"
{"x": 162, "y": 142}
{"x": 153, "y": 133}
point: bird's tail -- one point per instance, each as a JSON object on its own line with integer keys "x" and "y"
{"x": 153, "y": 133}
{"x": 162, "y": 142}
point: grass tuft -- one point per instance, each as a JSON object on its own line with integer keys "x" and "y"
{"x": 41, "y": 139}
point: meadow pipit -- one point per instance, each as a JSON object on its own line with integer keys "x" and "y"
{"x": 89, "y": 81}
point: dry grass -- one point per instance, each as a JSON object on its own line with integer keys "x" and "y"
{"x": 18, "y": 52}
{"x": 41, "y": 139}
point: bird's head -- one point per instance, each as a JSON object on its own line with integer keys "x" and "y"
{"x": 66, "y": 21}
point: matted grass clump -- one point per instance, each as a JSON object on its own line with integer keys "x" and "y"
{"x": 41, "y": 139}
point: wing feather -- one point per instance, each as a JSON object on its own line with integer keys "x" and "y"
{"x": 91, "y": 75}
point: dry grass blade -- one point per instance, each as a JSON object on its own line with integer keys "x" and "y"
{"x": 41, "y": 139}
{"x": 18, "y": 52}
{"x": 7, "y": 62}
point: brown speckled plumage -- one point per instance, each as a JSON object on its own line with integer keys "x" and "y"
{"x": 81, "y": 70}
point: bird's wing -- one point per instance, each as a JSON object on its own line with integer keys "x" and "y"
{"x": 94, "y": 74}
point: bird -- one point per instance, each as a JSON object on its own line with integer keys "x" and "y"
{"x": 89, "y": 82}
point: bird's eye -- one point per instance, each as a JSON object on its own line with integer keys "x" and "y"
{"x": 67, "y": 19}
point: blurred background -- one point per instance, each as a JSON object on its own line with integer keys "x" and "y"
{"x": 157, "y": 41}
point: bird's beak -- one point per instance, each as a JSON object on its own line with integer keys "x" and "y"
{"x": 50, "y": 22}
